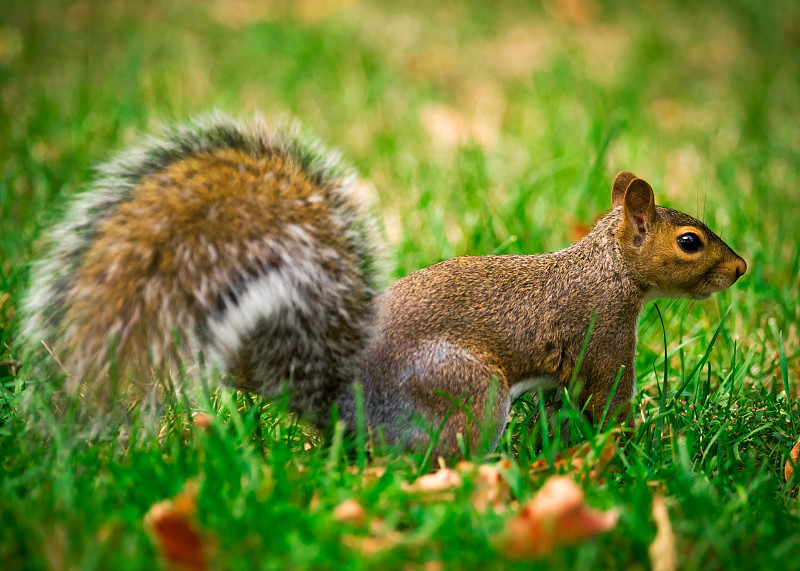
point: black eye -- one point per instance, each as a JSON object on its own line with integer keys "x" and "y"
{"x": 690, "y": 242}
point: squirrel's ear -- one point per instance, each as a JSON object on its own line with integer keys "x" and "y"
{"x": 621, "y": 182}
{"x": 639, "y": 207}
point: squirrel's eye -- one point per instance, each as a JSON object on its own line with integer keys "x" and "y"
{"x": 690, "y": 242}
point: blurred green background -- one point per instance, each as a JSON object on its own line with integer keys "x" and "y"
{"x": 483, "y": 127}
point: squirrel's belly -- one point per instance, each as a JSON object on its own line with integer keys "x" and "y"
{"x": 530, "y": 385}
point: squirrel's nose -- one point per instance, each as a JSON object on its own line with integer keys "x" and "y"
{"x": 741, "y": 268}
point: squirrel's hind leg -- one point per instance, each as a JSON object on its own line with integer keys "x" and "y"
{"x": 449, "y": 393}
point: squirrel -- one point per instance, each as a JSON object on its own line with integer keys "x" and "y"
{"x": 251, "y": 250}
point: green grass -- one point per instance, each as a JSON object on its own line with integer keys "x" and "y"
{"x": 485, "y": 127}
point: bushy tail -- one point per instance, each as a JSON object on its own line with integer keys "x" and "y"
{"x": 246, "y": 248}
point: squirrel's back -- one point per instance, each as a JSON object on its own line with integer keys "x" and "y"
{"x": 241, "y": 246}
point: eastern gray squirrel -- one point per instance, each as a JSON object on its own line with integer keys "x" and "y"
{"x": 248, "y": 249}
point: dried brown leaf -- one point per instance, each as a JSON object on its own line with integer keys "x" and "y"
{"x": 441, "y": 480}
{"x": 491, "y": 489}
{"x": 794, "y": 455}
{"x": 55, "y": 546}
{"x": 202, "y": 421}
{"x": 427, "y": 566}
{"x": 379, "y": 539}
{"x": 350, "y": 511}
{"x": 556, "y": 516}
{"x": 575, "y": 458}
{"x": 370, "y": 474}
{"x": 574, "y": 11}
{"x": 663, "y": 556}
{"x": 172, "y": 526}
{"x": 371, "y": 545}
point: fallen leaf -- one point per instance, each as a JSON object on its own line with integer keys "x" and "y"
{"x": 662, "y": 551}
{"x": 427, "y": 566}
{"x": 379, "y": 539}
{"x": 202, "y": 421}
{"x": 370, "y": 474}
{"x": 441, "y": 480}
{"x": 369, "y": 546}
{"x": 794, "y": 455}
{"x": 464, "y": 466}
{"x": 491, "y": 489}
{"x": 350, "y": 511}
{"x": 56, "y": 546}
{"x": 578, "y": 457}
{"x": 556, "y": 516}
{"x": 172, "y": 526}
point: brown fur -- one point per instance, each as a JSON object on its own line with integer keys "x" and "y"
{"x": 181, "y": 241}
{"x": 253, "y": 249}
{"x": 457, "y": 325}
{"x": 246, "y": 243}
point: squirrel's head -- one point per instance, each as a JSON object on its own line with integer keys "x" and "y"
{"x": 670, "y": 253}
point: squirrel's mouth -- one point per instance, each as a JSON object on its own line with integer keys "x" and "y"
{"x": 713, "y": 284}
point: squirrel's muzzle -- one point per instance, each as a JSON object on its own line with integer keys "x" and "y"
{"x": 740, "y": 268}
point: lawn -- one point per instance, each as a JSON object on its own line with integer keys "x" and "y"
{"x": 483, "y": 128}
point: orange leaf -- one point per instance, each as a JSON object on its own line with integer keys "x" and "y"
{"x": 491, "y": 488}
{"x": 172, "y": 525}
{"x": 202, "y": 421}
{"x": 379, "y": 539}
{"x": 788, "y": 469}
{"x": 369, "y": 475}
{"x": 349, "y": 511}
{"x": 575, "y": 458}
{"x": 441, "y": 480}
{"x": 556, "y": 516}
